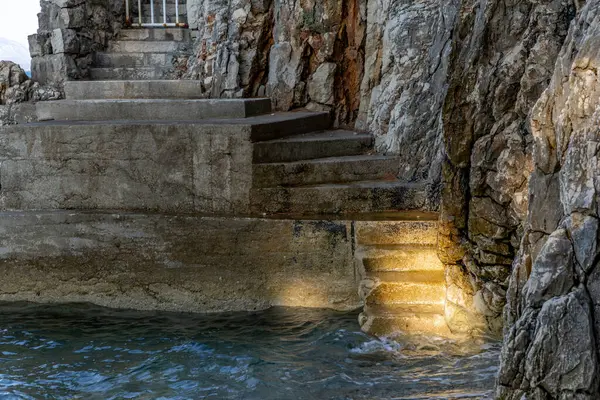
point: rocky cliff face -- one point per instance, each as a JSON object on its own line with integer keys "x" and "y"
{"x": 552, "y": 332}
{"x": 502, "y": 61}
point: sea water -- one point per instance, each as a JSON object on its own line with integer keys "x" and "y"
{"x": 88, "y": 352}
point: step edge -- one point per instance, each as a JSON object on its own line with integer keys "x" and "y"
{"x": 315, "y": 138}
{"x": 331, "y": 160}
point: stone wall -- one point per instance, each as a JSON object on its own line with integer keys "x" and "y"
{"x": 502, "y": 59}
{"x": 176, "y": 263}
{"x": 69, "y": 32}
{"x": 552, "y": 334}
{"x": 158, "y": 167}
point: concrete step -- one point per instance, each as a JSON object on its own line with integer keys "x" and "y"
{"x": 355, "y": 197}
{"x": 283, "y": 125}
{"x": 422, "y": 232}
{"x": 158, "y": 3}
{"x": 168, "y": 34}
{"x": 112, "y": 73}
{"x": 145, "y": 110}
{"x": 388, "y": 293}
{"x": 415, "y": 276}
{"x": 422, "y": 323}
{"x": 143, "y": 46}
{"x": 390, "y": 310}
{"x": 130, "y": 60}
{"x": 399, "y": 258}
{"x": 175, "y": 89}
{"x": 313, "y": 145}
{"x": 324, "y": 170}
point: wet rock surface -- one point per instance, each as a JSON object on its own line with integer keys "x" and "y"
{"x": 551, "y": 334}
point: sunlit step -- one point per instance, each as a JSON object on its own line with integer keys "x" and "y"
{"x": 396, "y": 232}
{"x": 392, "y": 310}
{"x": 415, "y": 276}
{"x": 399, "y": 258}
{"x": 407, "y": 292}
{"x": 423, "y": 323}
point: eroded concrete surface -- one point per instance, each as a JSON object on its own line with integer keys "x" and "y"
{"x": 177, "y": 263}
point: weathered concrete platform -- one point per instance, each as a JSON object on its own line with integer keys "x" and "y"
{"x": 184, "y": 166}
{"x": 188, "y": 262}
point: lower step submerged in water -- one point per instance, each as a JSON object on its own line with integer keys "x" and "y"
{"x": 81, "y": 351}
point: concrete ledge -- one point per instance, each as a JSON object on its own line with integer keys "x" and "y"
{"x": 87, "y": 90}
{"x": 151, "y": 109}
{"x": 156, "y": 166}
{"x": 176, "y": 262}
{"x": 352, "y": 197}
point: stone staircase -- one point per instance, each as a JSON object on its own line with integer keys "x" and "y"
{"x": 129, "y": 140}
{"x": 141, "y": 54}
{"x": 403, "y": 284}
{"x": 328, "y": 172}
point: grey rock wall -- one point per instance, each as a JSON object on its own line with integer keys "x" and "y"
{"x": 552, "y": 317}
{"x": 404, "y": 84}
{"x": 17, "y": 92}
{"x": 298, "y": 53}
{"x": 502, "y": 60}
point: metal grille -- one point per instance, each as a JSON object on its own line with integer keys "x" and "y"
{"x": 151, "y": 15}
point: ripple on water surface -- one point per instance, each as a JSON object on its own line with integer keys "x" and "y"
{"x": 86, "y": 352}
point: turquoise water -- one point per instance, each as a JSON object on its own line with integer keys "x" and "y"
{"x": 87, "y": 352}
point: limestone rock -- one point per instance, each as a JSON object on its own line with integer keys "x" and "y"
{"x": 501, "y": 62}
{"x": 552, "y": 273}
{"x": 277, "y": 47}
{"x": 404, "y": 83}
{"x": 562, "y": 356}
{"x": 39, "y": 44}
{"x": 14, "y": 83}
{"x": 64, "y": 41}
{"x": 320, "y": 84}
{"x": 552, "y": 318}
